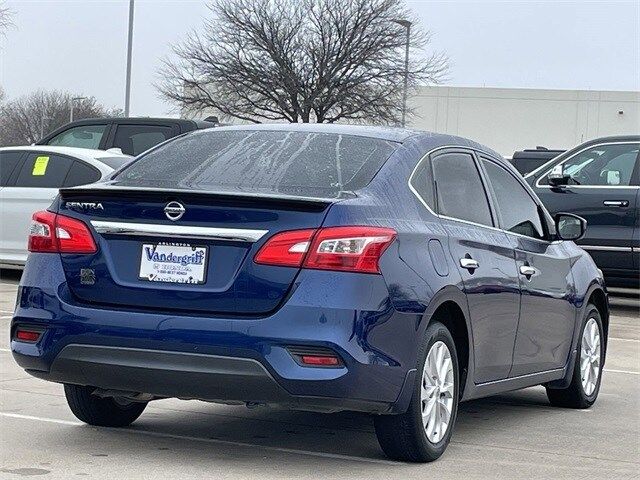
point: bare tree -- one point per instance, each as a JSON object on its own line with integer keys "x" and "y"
{"x": 6, "y": 19}
{"x": 300, "y": 61}
{"x": 26, "y": 119}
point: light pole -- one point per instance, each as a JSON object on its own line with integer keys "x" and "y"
{"x": 73, "y": 100}
{"x": 43, "y": 119}
{"x": 406, "y": 24}
{"x": 127, "y": 94}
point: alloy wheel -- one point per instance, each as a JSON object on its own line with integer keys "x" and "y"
{"x": 437, "y": 391}
{"x": 590, "y": 357}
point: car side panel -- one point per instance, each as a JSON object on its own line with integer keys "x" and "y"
{"x": 547, "y": 315}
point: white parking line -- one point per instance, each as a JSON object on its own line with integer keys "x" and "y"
{"x": 294, "y": 451}
{"x": 629, "y": 372}
{"x": 624, "y": 339}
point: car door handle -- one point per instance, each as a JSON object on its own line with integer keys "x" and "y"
{"x": 528, "y": 271}
{"x": 616, "y": 203}
{"x": 469, "y": 263}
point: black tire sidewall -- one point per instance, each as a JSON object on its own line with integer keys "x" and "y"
{"x": 435, "y": 332}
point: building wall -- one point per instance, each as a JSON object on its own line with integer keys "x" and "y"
{"x": 510, "y": 119}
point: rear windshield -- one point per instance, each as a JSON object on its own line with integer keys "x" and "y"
{"x": 115, "y": 162}
{"x": 294, "y": 163}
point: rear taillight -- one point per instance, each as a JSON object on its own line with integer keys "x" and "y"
{"x": 286, "y": 249}
{"x": 352, "y": 249}
{"x": 55, "y": 233}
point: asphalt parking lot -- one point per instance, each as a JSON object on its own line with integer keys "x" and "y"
{"x": 510, "y": 436}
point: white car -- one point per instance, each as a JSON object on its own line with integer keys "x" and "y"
{"x": 29, "y": 181}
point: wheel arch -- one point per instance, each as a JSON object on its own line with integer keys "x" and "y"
{"x": 449, "y": 307}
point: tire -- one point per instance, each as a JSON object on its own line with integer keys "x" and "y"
{"x": 101, "y": 412}
{"x": 575, "y": 395}
{"x": 404, "y": 437}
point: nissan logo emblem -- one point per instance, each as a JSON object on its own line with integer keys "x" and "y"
{"x": 174, "y": 211}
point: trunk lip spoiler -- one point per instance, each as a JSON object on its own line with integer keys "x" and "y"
{"x": 112, "y": 189}
{"x": 177, "y": 231}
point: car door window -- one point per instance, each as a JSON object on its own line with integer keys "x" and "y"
{"x": 44, "y": 170}
{"x": 81, "y": 174}
{"x": 135, "y": 139}
{"x": 8, "y": 163}
{"x": 601, "y": 165}
{"x": 459, "y": 190}
{"x": 84, "y": 136}
{"x": 517, "y": 210}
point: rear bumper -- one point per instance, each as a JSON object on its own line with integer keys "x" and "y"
{"x": 226, "y": 359}
{"x": 185, "y": 375}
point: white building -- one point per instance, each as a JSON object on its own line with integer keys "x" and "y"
{"x": 510, "y": 119}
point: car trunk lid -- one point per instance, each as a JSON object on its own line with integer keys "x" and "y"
{"x": 214, "y": 240}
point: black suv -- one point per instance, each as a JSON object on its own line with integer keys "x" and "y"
{"x": 529, "y": 159}
{"x": 131, "y": 135}
{"x": 600, "y": 181}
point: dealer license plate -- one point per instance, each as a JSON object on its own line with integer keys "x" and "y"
{"x": 173, "y": 263}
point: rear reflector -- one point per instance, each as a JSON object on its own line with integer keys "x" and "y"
{"x": 312, "y": 356}
{"x": 350, "y": 249}
{"x": 321, "y": 361}
{"x": 55, "y": 233}
{"x": 27, "y": 335}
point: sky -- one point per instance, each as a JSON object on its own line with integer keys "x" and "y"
{"x": 80, "y": 46}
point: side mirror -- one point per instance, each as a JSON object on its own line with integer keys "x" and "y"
{"x": 557, "y": 177}
{"x": 570, "y": 226}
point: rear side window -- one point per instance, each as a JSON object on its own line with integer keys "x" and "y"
{"x": 81, "y": 174}
{"x": 135, "y": 139}
{"x": 44, "y": 170}
{"x": 518, "y": 212}
{"x": 8, "y": 163}
{"x": 459, "y": 190}
{"x": 422, "y": 184}
{"x": 296, "y": 163}
{"x": 84, "y": 136}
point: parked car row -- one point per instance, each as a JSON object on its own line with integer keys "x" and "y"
{"x": 131, "y": 136}
{"x": 30, "y": 178}
{"x": 325, "y": 268}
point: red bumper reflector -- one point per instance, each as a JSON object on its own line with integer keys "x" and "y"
{"x": 27, "y": 335}
{"x": 321, "y": 360}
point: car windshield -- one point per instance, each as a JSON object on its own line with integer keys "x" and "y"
{"x": 261, "y": 161}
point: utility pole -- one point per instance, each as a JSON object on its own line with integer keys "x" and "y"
{"x": 127, "y": 95}
{"x": 43, "y": 120}
{"x": 406, "y": 24}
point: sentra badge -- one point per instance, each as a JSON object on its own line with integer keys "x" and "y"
{"x": 84, "y": 205}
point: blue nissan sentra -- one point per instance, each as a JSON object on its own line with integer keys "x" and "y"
{"x": 313, "y": 267}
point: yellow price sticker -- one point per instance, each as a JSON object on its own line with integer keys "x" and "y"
{"x": 40, "y": 166}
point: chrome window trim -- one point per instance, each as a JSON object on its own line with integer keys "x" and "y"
{"x": 537, "y": 184}
{"x": 607, "y": 248}
{"x": 421, "y": 200}
{"x": 177, "y": 231}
